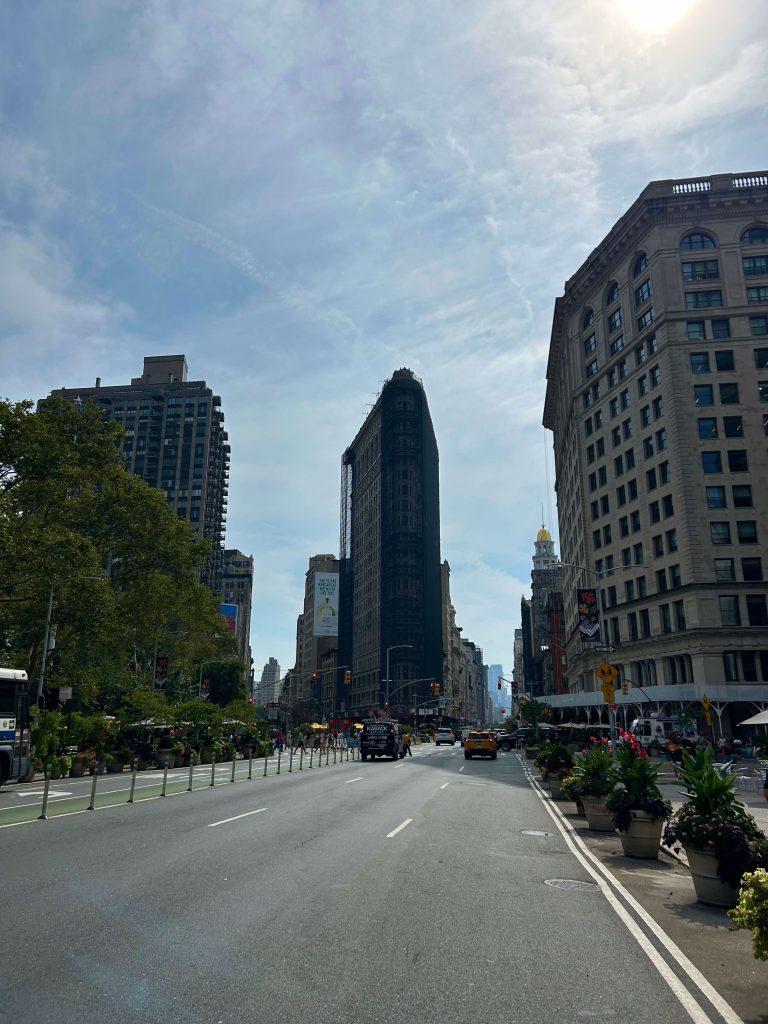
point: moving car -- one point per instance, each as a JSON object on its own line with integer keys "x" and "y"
{"x": 444, "y": 736}
{"x": 482, "y": 744}
{"x": 381, "y": 737}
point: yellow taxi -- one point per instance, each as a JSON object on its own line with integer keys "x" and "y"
{"x": 480, "y": 743}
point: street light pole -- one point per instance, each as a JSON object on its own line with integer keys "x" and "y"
{"x": 394, "y": 647}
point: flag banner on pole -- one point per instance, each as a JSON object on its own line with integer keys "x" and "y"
{"x": 589, "y": 620}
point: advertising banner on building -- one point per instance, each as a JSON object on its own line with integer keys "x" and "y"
{"x": 326, "y": 604}
{"x": 589, "y": 620}
{"x": 229, "y": 611}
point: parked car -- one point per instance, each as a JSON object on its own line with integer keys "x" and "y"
{"x": 524, "y": 736}
{"x": 444, "y": 736}
{"x": 482, "y": 744}
{"x": 380, "y": 737}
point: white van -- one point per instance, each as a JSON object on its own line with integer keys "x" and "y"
{"x": 660, "y": 728}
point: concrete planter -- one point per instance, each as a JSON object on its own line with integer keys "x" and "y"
{"x": 710, "y": 888}
{"x": 642, "y": 838}
{"x": 531, "y": 753}
{"x": 554, "y": 787}
{"x": 165, "y": 758}
{"x": 599, "y": 818}
{"x": 115, "y": 767}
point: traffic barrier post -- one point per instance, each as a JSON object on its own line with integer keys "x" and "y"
{"x": 233, "y": 768}
{"x": 44, "y": 811}
{"x": 92, "y": 804}
{"x": 134, "y": 769}
{"x": 165, "y": 780}
{"x": 213, "y": 770}
{"x": 279, "y": 754}
{"x": 290, "y": 761}
{"x": 191, "y": 770}
{"x": 250, "y": 764}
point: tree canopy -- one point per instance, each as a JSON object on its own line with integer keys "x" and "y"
{"x": 121, "y": 567}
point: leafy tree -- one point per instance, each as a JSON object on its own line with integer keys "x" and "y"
{"x": 225, "y": 681}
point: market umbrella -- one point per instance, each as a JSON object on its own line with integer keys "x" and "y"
{"x": 761, "y": 718}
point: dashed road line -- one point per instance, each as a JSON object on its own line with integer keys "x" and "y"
{"x": 225, "y": 821}
{"x": 399, "y": 828}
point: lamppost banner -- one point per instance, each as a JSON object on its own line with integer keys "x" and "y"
{"x": 589, "y": 620}
{"x": 229, "y": 611}
{"x": 326, "y": 618}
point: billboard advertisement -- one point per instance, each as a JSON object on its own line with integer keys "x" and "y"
{"x": 229, "y": 611}
{"x": 589, "y": 620}
{"x": 326, "y": 604}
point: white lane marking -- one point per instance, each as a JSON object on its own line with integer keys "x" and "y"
{"x": 399, "y": 828}
{"x": 224, "y": 821}
{"x": 401, "y": 765}
{"x": 687, "y": 1001}
{"x": 39, "y": 792}
{"x": 444, "y": 785}
{"x": 358, "y": 779}
{"x": 462, "y": 768}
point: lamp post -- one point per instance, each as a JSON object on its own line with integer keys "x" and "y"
{"x": 394, "y": 647}
{"x": 47, "y": 634}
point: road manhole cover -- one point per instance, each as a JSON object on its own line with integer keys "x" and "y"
{"x": 572, "y": 883}
{"x": 534, "y": 832}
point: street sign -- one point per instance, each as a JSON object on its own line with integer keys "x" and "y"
{"x": 607, "y": 672}
{"x": 65, "y": 693}
{"x": 609, "y": 692}
{"x": 605, "y": 649}
{"x": 612, "y": 707}
{"x": 708, "y": 718}
{"x": 441, "y": 702}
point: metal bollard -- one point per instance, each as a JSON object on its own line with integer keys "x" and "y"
{"x": 290, "y": 761}
{"x": 233, "y": 769}
{"x": 301, "y": 759}
{"x": 191, "y": 769}
{"x": 265, "y": 765}
{"x": 44, "y": 811}
{"x": 327, "y": 754}
{"x": 92, "y": 804}
{"x": 250, "y": 764}
{"x": 165, "y": 780}
{"x": 311, "y": 756}
{"x": 279, "y": 754}
{"x": 213, "y": 770}
{"x": 334, "y": 755}
{"x": 134, "y": 769}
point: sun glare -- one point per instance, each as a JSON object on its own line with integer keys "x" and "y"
{"x": 655, "y": 15}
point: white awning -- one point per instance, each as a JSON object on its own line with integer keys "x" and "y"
{"x": 761, "y": 718}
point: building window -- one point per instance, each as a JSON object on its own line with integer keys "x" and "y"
{"x": 604, "y": 505}
{"x": 618, "y": 466}
{"x": 671, "y": 536}
{"x": 598, "y": 418}
{"x": 600, "y": 447}
{"x": 695, "y": 241}
{"x": 643, "y": 292}
{"x": 654, "y": 512}
{"x": 648, "y": 447}
{"x": 641, "y": 264}
{"x": 590, "y": 344}
{"x": 642, "y": 385}
{"x": 721, "y": 328}
{"x": 658, "y": 408}
{"x": 624, "y": 526}
{"x": 637, "y": 551}
{"x": 757, "y": 615}
{"x": 703, "y": 394}
{"x": 626, "y": 428}
{"x": 707, "y": 427}
{"x": 621, "y": 496}
{"x": 729, "y": 610}
{"x": 613, "y": 294}
{"x": 737, "y": 461}
{"x": 751, "y": 569}
{"x": 596, "y": 542}
{"x": 700, "y": 270}
{"x": 650, "y": 480}
{"x": 591, "y": 453}
{"x": 624, "y": 398}
{"x": 664, "y": 473}
{"x": 757, "y": 294}
{"x": 634, "y": 519}
{"x": 602, "y": 476}
{"x": 730, "y": 667}
{"x": 592, "y": 480}
{"x": 645, "y": 320}
{"x": 746, "y": 531}
{"x": 629, "y": 460}
{"x": 613, "y": 407}
{"x": 617, "y": 344}
{"x": 588, "y": 426}
{"x": 712, "y": 462}
{"x": 762, "y": 390}
{"x": 616, "y": 437}
{"x": 715, "y": 497}
{"x": 645, "y": 623}
{"x": 667, "y": 506}
{"x": 755, "y": 265}
{"x": 729, "y": 394}
{"x": 664, "y": 618}
{"x": 679, "y": 609}
{"x": 724, "y": 570}
{"x": 589, "y": 318}
{"x": 594, "y": 510}
{"x": 614, "y": 320}
{"x": 711, "y": 298}
{"x": 657, "y": 546}
{"x": 720, "y": 533}
{"x": 640, "y": 355}
{"x": 733, "y": 426}
{"x": 632, "y": 625}
{"x": 758, "y": 327}
{"x": 695, "y": 330}
{"x": 607, "y": 535}
{"x": 724, "y": 361}
{"x": 645, "y": 416}
{"x": 661, "y": 440}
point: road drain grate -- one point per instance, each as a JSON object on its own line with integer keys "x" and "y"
{"x": 534, "y": 832}
{"x": 572, "y": 883}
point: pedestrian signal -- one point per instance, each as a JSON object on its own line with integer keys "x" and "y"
{"x": 347, "y": 677}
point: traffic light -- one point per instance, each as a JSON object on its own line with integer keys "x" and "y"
{"x": 314, "y": 677}
{"x": 348, "y": 677}
{"x": 251, "y": 700}
{"x": 437, "y": 689}
{"x": 498, "y": 684}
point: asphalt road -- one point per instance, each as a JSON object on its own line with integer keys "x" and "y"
{"x": 376, "y": 892}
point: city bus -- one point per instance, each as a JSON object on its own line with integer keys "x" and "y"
{"x": 14, "y": 724}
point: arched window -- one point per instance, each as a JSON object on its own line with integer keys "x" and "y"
{"x": 755, "y": 236}
{"x": 697, "y": 240}
{"x": 613, "y": 294}
{"x": 641, "y": 264}
{"x": 589, "y": 317}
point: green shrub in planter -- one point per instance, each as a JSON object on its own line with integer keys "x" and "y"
{"x": 752, "y": 910}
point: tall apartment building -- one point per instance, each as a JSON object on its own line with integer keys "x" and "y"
{"x": 175, "y": 440}
{"x": 390, "y": 550}
{"x": 237, "y": 589}
{"x": 657, "y": 396}
{"x": 269, "y": 686}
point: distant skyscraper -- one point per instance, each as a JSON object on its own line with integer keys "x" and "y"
{"x": 268, "y": 687}
{"x": 545, "y": 583}
{"x": 390, "y": 550}
{"x": 174, "y": 440}
{"x": 495, "y": 672}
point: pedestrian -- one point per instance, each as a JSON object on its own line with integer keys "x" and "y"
{"x": 407, "y": 745}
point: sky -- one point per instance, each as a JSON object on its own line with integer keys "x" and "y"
{"x": 304, "y": 196}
